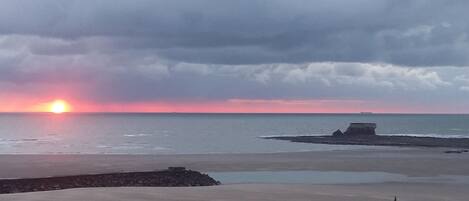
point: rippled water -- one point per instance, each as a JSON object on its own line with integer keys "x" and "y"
{"x": 199, "y": 133}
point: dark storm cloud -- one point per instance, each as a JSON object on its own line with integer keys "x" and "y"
{"x": 416, "y": 33}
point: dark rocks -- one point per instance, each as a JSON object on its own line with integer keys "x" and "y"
{"x": 337, "y": 133}
{"x": 175, "y": 176}
{"x": 381, "y": 140}
{"x": 177, "y": 169}
{"x": 361, "y": 129}
{"x": 364, "y": 134}
{"x": 456, "y": 151}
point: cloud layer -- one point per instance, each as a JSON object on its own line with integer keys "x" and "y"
{"x": 395, "y": 51}
{"x": 415, "y": 33}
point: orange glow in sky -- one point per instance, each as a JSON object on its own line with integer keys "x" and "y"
{"x": 70, "y": 104}
{"x": 59, "y": 106}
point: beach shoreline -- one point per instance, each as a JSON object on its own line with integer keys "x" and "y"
{"x": 417, "y": 162}
{"x": 411, "y": 162}
{"x": 257, "y": 192}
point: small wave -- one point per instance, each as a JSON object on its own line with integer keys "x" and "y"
{"x": 20, "y": 140}
{"x": 458, "y": 129}
{"x": 293, "y": 135}
{"x": 102, "y": 146}
{"x": 127, "y": 147}
{"x": 130, "y": 146}
{"x": 161, "y": 148}
{"x": 28, "y": 140}
{"x": 120, "y": 147}
{"x": 137, "y": 135}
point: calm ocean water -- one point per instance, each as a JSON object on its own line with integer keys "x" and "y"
{"x": 199, "y": 133}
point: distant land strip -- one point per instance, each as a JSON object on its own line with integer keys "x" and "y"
{"x": 379, "y": 140}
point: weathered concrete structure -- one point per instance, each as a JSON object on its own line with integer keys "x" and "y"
{"x": 337, "y": 133}
{"x": 361, "y": 129}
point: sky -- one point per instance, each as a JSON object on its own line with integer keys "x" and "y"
{"x": 391, "y": 56}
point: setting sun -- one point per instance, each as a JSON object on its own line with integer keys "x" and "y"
{"x": 59, "y": 106}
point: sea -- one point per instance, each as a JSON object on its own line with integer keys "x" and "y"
{"x": 177, "y": 133}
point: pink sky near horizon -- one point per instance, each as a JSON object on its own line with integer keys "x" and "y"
{"x": 27, "y": 104}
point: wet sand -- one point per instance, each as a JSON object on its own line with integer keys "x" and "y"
{"x": 411, "y": 162}
{"x": 256, "y": 192}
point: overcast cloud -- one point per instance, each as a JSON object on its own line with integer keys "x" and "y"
{"x": 399, "y": 51}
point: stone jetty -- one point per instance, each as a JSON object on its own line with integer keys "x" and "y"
{"x": 173, "y": 176}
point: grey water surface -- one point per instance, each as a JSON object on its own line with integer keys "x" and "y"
{"x": 137, "y": 133}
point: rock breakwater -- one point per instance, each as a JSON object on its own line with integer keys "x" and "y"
{"x": 175, "y": 176}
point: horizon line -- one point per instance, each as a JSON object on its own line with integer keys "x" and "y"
{"x": 280, "y": 113}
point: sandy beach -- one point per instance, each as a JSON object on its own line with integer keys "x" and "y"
{"x": 257, "y": 192}
{"x": 410, "y": 162}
